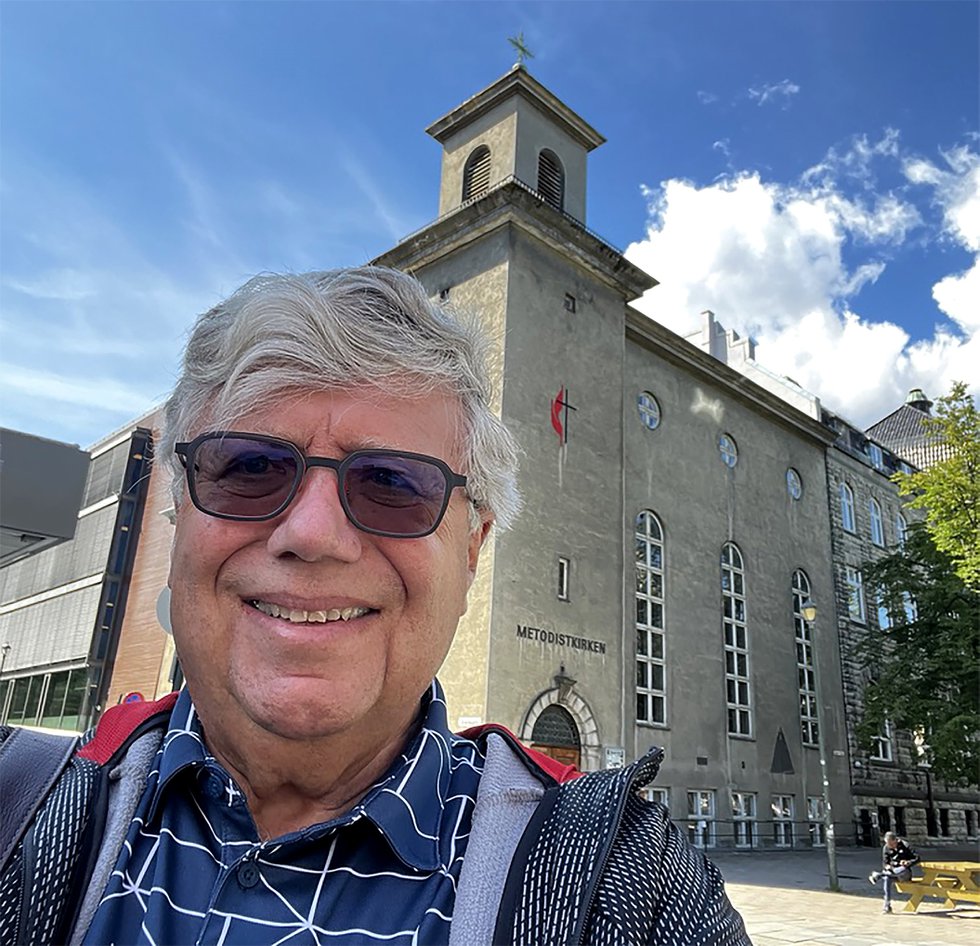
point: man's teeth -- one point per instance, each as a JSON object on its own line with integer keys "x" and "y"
{"x": 309, "y": 617}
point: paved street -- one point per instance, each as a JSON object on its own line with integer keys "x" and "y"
{"x": 783, "y": 897}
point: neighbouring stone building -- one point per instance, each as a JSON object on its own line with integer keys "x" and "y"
{"x": 892, "y": 789}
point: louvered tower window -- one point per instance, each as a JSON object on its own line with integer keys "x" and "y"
{"x": 551, "y": 179}
{"x": 476, "y": 173}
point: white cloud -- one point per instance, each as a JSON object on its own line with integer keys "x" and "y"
{"x": 787, "y": 262}
{"x": 958, "y": 296}
{"x": 78, "y": 390}
{"x": 780, "y": 92}
{"x": 706, "y": 98}
{"x": 956, "y": 192}
{"x": 856, "y": 161}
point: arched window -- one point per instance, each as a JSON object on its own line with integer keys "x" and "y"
{"x": 556, "y": 734}
{"x": 847, "y": 507}
{"x": 901, "y": 530}
{"x": 651, "y": 683}
{"x": 476, "y": 173}
{"x": 551, "y": 179}
{"x": 735, "y": 623}
{"x": 556, "y": 727}
{"x": 805, "y": 673}
{"x": 877, "y": 526}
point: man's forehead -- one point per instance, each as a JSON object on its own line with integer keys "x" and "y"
{"x": 273, "y": 414}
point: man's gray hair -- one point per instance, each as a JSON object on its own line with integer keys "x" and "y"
{"x": 368, "y": 328}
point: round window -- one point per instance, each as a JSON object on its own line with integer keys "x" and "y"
{"x": 649, "y": 410}
{"x": 728, "y": 450}
{"x": 794, "y": 485}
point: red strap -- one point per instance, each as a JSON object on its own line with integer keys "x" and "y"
{"x": 117, "y": 724}
{"x": 557, "y": 770}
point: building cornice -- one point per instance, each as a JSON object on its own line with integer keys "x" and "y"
{"x": 651, "y": 334}
{"x": 517, "y": 81}
{"x": 513, "y": 203}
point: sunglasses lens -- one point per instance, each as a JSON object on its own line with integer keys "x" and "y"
{"x": 395, "y": 495}
{"x": 234, "y": 476}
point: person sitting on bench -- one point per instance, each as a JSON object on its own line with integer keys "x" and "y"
{"x": 897, "y": 858}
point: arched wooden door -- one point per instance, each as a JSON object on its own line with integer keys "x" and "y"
{"x": 556, "y": 734}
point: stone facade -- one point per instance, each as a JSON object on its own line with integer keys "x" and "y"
{"x": 891, "y": 790}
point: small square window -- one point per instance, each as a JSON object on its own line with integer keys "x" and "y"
{"x": 881, "y": 750}
{"x": 569, "y": 302}
{"x": 659, "y": 795}
{"x": 564, "y": 566}
{"x": 876, "y": 455}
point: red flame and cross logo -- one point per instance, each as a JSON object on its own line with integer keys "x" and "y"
{"x": 560, "y": 407}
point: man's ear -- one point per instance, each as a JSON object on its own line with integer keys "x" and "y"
{"x": 477, "y": 537}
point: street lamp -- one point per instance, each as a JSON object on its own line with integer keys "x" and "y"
{"x": 809, "y": 612}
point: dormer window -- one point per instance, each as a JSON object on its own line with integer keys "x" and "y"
{"x": 551, "y": 179}
{"x": 476, "y": 173}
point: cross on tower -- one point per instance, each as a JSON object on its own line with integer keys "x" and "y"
{"x": 523, "y": 52}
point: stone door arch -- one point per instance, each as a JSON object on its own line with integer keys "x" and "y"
{"x": 559, "y": 721}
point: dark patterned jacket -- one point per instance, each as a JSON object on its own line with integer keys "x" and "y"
{"x": 901, "y": 855}
{"x": 553, "y": 858}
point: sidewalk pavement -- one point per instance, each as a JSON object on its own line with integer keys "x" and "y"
{"x": 784, "y": 898}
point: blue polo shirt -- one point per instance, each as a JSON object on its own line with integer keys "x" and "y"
{"x": 193, "y": 869}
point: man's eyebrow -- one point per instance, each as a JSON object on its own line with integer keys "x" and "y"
{"x": 366, "y": 443}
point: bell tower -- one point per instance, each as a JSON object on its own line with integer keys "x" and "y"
{"x": 510, "y": 245}
{"x": 514, "y": 129}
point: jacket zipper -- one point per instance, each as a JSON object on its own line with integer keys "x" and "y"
{"x": 604, "y": 853}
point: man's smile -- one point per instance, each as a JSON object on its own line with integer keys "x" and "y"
{"x": 297, "y": 616}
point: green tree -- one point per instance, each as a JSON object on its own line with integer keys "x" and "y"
{"x": 949, "y": 490}
{"x": 923, "y": 668}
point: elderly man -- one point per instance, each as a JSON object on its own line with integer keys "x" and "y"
{"x": 337, "y": 470}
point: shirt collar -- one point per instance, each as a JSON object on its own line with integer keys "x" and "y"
{"x": 183, "y": 747}
{"x": 406, "y": 805}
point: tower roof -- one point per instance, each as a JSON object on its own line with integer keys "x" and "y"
{"x": 919, "y": 401}
{"x": 516, "y": 81}
{"x": 906, "y": 432}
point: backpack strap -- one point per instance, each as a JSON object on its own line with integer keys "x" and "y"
{"x": 30, "y": 763}
{"x": 59, "y": 831}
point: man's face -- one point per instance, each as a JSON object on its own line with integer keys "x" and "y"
{"x": 304, "y": 680}
{"x": 892, "y": 842}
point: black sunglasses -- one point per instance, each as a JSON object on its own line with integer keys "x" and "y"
{"x": 250, "y": 477}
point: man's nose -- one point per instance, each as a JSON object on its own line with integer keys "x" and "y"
{"x": 314, "y": 526}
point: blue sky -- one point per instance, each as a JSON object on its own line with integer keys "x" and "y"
{"x": 808, "y": 171}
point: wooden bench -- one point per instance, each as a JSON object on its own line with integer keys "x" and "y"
{"x": 952, "y": 882}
